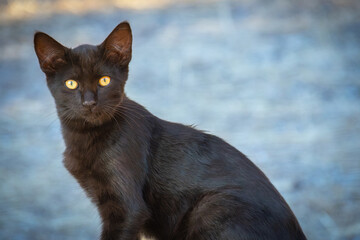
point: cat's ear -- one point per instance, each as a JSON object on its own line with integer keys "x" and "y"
{"x": 50, "y": 53}
{"x": 117, "y": 46}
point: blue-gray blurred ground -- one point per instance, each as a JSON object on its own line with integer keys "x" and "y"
{"x": 278, "y": 80}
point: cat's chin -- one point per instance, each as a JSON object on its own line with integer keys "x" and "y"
{"x": 94, "y": 121}
{"x": 97, "y": 120}
{"x": 85, "y": 118}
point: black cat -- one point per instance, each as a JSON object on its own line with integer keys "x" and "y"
{"x": 146, "y": 175}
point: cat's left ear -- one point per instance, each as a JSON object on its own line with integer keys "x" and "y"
{"x": 50, "y": 53}
{"x": 117, "y": 46}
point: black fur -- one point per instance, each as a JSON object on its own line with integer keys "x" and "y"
{"x": 146, "y": 175}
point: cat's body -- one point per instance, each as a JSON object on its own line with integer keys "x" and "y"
{"x": 146, "y": 175}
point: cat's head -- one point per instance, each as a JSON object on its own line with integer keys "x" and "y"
{"x": 87, "y": 82}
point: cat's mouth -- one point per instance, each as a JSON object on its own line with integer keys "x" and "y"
{"x": 94, "y": 116}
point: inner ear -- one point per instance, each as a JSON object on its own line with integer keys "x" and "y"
{"x": 50, "y": 53}
{"x": 117, "y": 46}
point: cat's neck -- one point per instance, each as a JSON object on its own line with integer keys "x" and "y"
{"x": 132, "y": 125}
{"x": 78, "y": 125}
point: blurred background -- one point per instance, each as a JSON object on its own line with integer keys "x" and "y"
{"x": 279, "y": 80}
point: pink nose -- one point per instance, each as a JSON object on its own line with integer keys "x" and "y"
{"x": 90, "y": 103}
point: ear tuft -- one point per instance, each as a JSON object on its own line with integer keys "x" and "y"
{"x": 117, "y": 46}
{"x": 50, "y": 53}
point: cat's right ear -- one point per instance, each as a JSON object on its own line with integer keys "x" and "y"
{"x": 50, "y": 53}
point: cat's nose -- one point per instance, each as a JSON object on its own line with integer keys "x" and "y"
{"x": 90, "y": 103}
{"x": 89, "y": 99}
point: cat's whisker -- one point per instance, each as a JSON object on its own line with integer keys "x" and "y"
{"x": 66, "y": 115}
{"x": 111, "y": 117}
{"x": 127, "y": 119}
{"x": 51, "y": 123}
{"x": 134, "y": 111}
{"x": 131, "y": 111}
{"x": 49, "y": 114}
{"x": 128, "y": 104}
{"x": 129, "y": 116}
{"x": 67, "y": 119}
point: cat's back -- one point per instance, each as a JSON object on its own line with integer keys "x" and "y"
{"x": 193, "y": 174}
{"x": 185, "y": 160}
{"x": 201, "y": 154}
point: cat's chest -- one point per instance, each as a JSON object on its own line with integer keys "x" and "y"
{"x": 84, "y": 148}
{"x": 84, "y": 167}
{"x": 91, "y": 171}
{"x": 86, "y": 157}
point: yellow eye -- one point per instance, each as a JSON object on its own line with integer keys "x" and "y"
{"x": 104, "y": 81}
{"x": 71, "y": 84}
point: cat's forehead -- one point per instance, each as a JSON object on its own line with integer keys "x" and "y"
{"x": 85, "y": 56}
{"x": 85, "y": 49}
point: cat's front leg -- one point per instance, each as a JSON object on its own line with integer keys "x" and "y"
{"x": 122, "y": 221}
